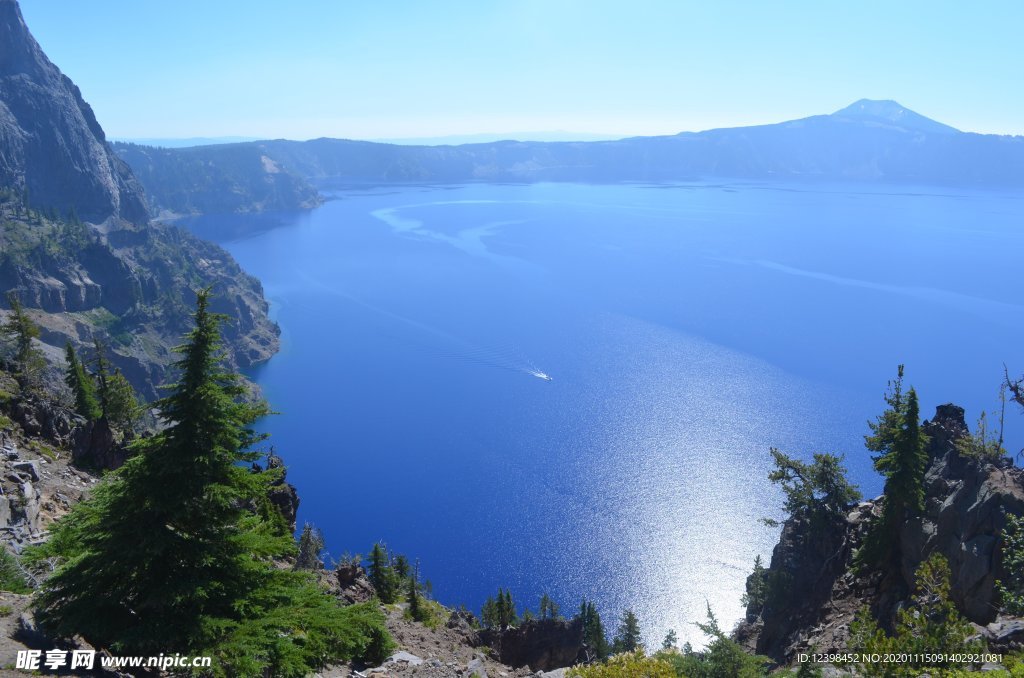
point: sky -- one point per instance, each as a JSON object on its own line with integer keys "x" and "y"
{"x": 403, "y": 68}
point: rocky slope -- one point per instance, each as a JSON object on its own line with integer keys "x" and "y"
{"x": 76, "y": 244}
{"x": 228, "y": 178}
{"x": 818, "y": 591}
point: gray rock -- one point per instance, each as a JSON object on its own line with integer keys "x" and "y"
{"x": 29, "y": 467}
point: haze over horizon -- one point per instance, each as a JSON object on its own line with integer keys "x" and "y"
{"x": 187, "y": 69}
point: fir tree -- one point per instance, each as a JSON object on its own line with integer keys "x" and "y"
{"x": 123, "y": 409}
{"x": 548, "y": 608}
{"x": 627, "y": 637}
{"x": 671, "y": 640}
{"x": 382, "y": 575}
{"x": 175, "y": 550}
{"x": 902, "y": 460}
{"x": 20, "y": 330}
{"x": 593, "y": 631}
{"x": 81, "y": 384}
{"x": 311, "y": 545}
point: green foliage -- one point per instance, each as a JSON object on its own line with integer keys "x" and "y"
{"x": 19, "y": 331}
{"x": 123, "y": 409}
{"x": 627, "y": 665}
{"x": 671, "y": 640}
{"x": 981, "y": 444}
{"x": 723, "y": 657}
{"x": 311, "y": 546}
{"x": 81, "y": 384}
{"x": 817, "y": 492}
{"x": 931, "y": 625}
{"x": 902, "y": 460}
{"x": 385, "y": 580}
{"x": 627, "y": 636}
{"x": 175, "y": 551}
{"x": 549, "y": 609}
{"x": 593, "y": 631}
{"x": 11, "y": 577}
{"x": 757, "y": 586}
{"x": 1011, "y": 592}
{"x": 500, "y": 612}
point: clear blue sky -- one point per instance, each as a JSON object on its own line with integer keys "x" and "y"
{"x": 399, "y": 68}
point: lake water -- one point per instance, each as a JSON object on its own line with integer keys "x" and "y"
{"x": 685, "y": 330}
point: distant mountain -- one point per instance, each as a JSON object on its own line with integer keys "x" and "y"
{"x": 77, "y": 247}
{"x": 183, "y": 142}
{"x": 873, "y": 141}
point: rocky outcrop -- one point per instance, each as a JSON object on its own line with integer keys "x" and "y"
{"x": 814, "y": 588}
{"x": 283, "y": 495}
{"x": 94, "y": 446}
{"x": 50, "y": 142}
{"x": 541, "y": 644}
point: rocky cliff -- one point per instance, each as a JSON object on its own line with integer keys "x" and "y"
{"x": 815, "y": 589}
{"x": 50, "y": 142}
{"x": 76, "y": 244}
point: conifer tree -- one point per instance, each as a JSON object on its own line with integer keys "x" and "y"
{"x": 593, "y": 630}
{"x": 102, "y": 372}
{"x": 311, "y": 545}
{"x": 20, "y": 330}
{"x": 123, "y": 409}
{"x": 671, "y": 640}
{"x": 627, "y": 637}
{"x": 382, "y": 575}
{"x": 175, "y": 551}
{"x": 902, "y": 460}
{"x": 81, "y": 385}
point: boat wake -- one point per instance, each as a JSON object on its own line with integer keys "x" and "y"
{"x": 445, "y": 344}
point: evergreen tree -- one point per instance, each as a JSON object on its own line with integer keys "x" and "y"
{"x": 175, "y": 550}
{"x": 593, "y": 631}
{"x": 311, "y": 545}
{"x": 671, "y": 640}
{"x": 400, "y": 565}
{"x": 81, "y": 385}
{"x": 20, "y": 330}
{"x": 902, "y": 460}
{"x": 123, "y": 409}
{"x": 102, "y": 372}
{"x": 417, "y": 610}
{"x": 627, "y": 638}
{"x": 489, "y": 614}
{"x": 549, "y": 609}
{"x": 382, "y": 575}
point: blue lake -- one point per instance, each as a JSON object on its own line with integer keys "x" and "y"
{"x": 686, "y": 329}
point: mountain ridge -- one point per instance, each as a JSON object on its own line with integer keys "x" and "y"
{"x": 877, "y": 141}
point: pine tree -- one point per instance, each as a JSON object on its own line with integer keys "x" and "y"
{"x": 627, "y": 637}
{"x": 548, "y": 608}
{"x": 123, "y": 409}
{"x": 489, "y": 614}
{"x": 382, "y": 575}
{"x": 593, "y": 630}
{"x": 20, "y": 330}
{"x": 175, "y": 551}
{"x": 902, "y": 460}
{"x": 81, "y": 385}
{"x": 671, "y": 640}
{"x": 102, "y": 371}
{"x": 311, "y": 545}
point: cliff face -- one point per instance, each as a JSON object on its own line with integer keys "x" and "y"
{"x": 50, "y": 141}
{"x": 966, "y": 504}
{"x": 112, "y": 275}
